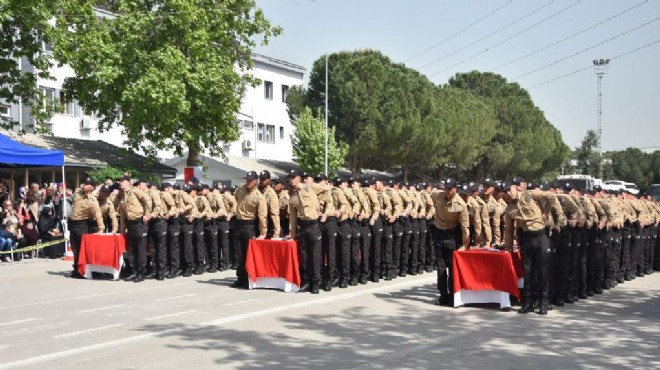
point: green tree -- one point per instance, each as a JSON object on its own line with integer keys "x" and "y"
{"x": 309, "y": 145}
{"x": 525, "y": 143}
{"x": 632, "y": 165}
{"x": 588, "y": 159}
{"x": 296, "y": 101}
{"x": 171, "y": 73}
{"x": 24, "y": 32}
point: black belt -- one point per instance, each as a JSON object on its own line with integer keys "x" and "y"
{"x": 365, "y": 222}
{"x": 245, "y": 222}
{"x": 307, "y": 222}
{"x": 532, "y": 233}
{"x": 331, "y": 218}
{"x": 222, "y": 219}
{"x": 133, "y": 222}
{"x": 154, "y": 220}
{"x": 343, "y": 222}
{"x": 79, "y": 221}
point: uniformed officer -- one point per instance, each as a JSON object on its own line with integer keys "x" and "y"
{"x": 382, "y": 252}
{"x": 344, "y": 206}
{"x": 451, "y": 232}
{"x": 430, "y": 262}
{"x": 329, "y": 230}
{"x": 230, "y": 205}
{"x": 401, "y": 250}
{"x": 524, "y": 214}
{"x": 157, "y": 233}
{"x": 171, "y": 203}
{"x": 372, "y": 240}
{"x": 416, "y": 215}
{"x": 304, "y": 213}
{"x": 494, "y": 214}
{"x": 134, "y": 214}
{"x": 85, "y": 215}
{"x": 564, "y": 248}
{"x": 187, "y": 229}
{"x": 110, "y": 217}
{"x": 274, "y": 228}
{"x": 392, "y": 252}
{"x": 251, "y": 214}
{"x": 361, "y": 234}
{"x": 201, "y": 214}
{"x": 211, "y": 229}
{"x": 222, "y": 220}
{"x": 283, "y": 200}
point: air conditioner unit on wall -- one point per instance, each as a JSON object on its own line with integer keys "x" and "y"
{"x": 247, "y": 145}
{"x": 86, "y": 124}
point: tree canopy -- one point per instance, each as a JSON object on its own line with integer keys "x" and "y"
{"x": 171, "y": 73}
{"x": 309, "y": 145}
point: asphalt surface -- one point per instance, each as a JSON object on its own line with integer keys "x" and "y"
{"x": 49, "y": 321}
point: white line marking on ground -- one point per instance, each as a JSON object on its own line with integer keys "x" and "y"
{"x": 170, "y": 315}
{"x": 19, "y": 321}
{"x": 92, "y": 296}
{"x": 118, "y": 342}
{"x": 241, "y": 302}
{"x": 175, "y": 297}
{"x": 86, "y": 331}
{"x": 101, "y": 308}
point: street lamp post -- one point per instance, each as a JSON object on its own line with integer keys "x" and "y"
{"x": 326, "y": 115}
{"x": 600, "y": 67}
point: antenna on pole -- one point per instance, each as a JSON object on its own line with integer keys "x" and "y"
{"x": 601, "y": 67}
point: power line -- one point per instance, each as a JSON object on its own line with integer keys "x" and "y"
{"x": 591, "y": 66}
{"x": 509, "y": 38}
{"x": 584, "y": 50}
{"x": 570, "y": 36}
{"x": 459, "y": 31}
{"x": 487, "y": 36}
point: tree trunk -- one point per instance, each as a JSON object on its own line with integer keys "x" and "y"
{"x": 404, "y": 170}
{"x": 193, "y": 156}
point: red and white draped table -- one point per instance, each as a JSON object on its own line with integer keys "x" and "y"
{"x": 273, "y": 264}
{"x": 482, "y": 276}
{"x": 101, "y": 253}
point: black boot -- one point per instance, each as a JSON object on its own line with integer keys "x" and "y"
{"x": 304, "y": 287}
{"x": 526, "y": 308}
{"x": 543, "y": 310}
{"x": 327, "y": 285}
{"x": 314, "y": 288}
{"x": 343, "y": 283}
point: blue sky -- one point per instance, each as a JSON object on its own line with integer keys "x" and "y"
{"x": 466, "y": 32}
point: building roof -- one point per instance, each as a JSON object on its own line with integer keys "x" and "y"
{"x": 278, "y": 63}
{"x": 94, "y": 153}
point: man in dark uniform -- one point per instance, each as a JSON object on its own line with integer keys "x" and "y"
{"x": 134, "y": 214}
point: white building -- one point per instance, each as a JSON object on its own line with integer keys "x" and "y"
{"x": 265, "y": 126}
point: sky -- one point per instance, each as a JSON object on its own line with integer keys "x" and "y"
{"x": 529, "y": 42}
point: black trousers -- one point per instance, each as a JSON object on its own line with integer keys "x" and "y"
{"x": 595, "y": 260}
{"x": 329, "y": 251}
{"x": 366, "y": 243}
{"x": 76, "y": 230}
{"x": 310, "y": 250}
{"x": 388, "y": 245}
{"x": 625, "y": 267}
{"x": 356, "y": 239}
{"x": 211, "y": 238}
{"x": 398, "y": 232}
{"x": 446, "y": 242}
{"x": 583, "y": 262}
{"x": 535, "y": 247}
{"x": 284, "y": 226}
{"x": 421, "y": 247}
{"x": 173, "y": 236}
{"x": 187, "y": 243}
{"x": 431, "y": 259}
{"x": 411, "y": 260}
{"x": 653, "y": 245}
{"x": 246, "y": 230}
{"x": 199, "y": 242}
{"x": 401, "y": 261}
{"x": 158, "y": 244}
{"x": 234, "y": 242}
{"x": 561, "y": 264}
{"x": 136, "y": 235}
{"x": 377, "y": 234}
{"x": 573, "y": 274}
{"x": 223, "y": 242}
{"x": 343, "y": 247}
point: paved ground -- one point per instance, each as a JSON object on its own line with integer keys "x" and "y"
{"x": 49, "y": 321}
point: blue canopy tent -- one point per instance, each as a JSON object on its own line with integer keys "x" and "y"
{"x": 15, "y": 154}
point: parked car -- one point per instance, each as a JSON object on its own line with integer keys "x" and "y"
{"x": 632, "y": 188}
{"x": 614, "y": 185}
{"x": 655, "y": 191}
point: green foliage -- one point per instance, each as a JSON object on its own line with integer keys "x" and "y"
{"x": 588, "y": 159}
{"x": 633, "y": 165}
{"x": 309, "y": 145}
{"x": 176, "y": 70}
{"x": 103, "y": 173}
{"x": 525, "y": 143}
{"x": 24, "y": 28}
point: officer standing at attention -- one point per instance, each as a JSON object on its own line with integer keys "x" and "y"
{"x": 494, "y": 215}
{"x": 134, "y": 215}
{"x": 360, "y": 226}
{"x": 524, "y": 214}
{"x": 187, "y": 229}
{"x": 372, "y": 234}
{"x": 211, "y": 229}
{"x": 221, "y": 214}
{"x": 451, "y": 232}
{"x": 230, "y": 206}
{"x": 274, "y": 227}
{"x": 157, "y": 232}
{"x": 171, "y": 201}
{"x": 342, "y": 268}
{"x": 283, "y": 200}
{"x": 110, "y": 217}
{"x": 304, "y": 212}
{"x": 85, "y": 214}
{"x": 251, "y": 220}
{"x": 384, "y": 248}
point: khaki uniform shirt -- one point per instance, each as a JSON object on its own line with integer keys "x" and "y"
{"x": 169, "y": 205}
{"x": 484, "y": 217}
{"x": 375, "y": 204}
{"x": 430, "y": 206}
{"x": 304, "y": 205}
{"x": 86, "y": 207}
{"x": 494, "y": 218}
{"x": 356, "y": 206}
{"x": 217, "y": 203}
{"x": 157, "y": 210}
{"x": 251, "y": 205}
{"x": 341, "y": 204}
{"x": 133, "y": 205}
{"x": 283, "y": 199}
{"x": 397, "y": 202}
{"x": 230, "y": 202}
{"x": 406, "y": 203}
{"x": 108, "y": 212}
{"x": 386, "y": 207}
{"x": 569, "y": 207}
{"x": 522, "y": 212}
{"x": 273, "y": 204}
{"x": 450, "y": 214}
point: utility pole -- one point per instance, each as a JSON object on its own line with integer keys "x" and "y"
{"x": 601, "y": 67}
{"x": 326, "y": 114}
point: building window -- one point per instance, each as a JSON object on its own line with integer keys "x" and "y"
{"x": 48, "y": 47}
{"x": 5, "y": 110}
{"x": 270, "y": 134}
{"x": 281, "y": 133}
{"x": 248, "y": 125}
{"x": 260, "y": 132}
{"x": 69, "y": 105}
{"x": 268, "y": 90}
{"x": 285, "y": 91}
{"x": 48, "y": 96}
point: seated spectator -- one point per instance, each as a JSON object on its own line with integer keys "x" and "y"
{"x": 49, "y": 231}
